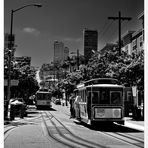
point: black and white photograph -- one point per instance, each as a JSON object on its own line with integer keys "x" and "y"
{"x": 73, "y": 74}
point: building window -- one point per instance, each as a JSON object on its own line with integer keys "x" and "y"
{"x": 134, "y": 44}
{"x": 141, "y": 41}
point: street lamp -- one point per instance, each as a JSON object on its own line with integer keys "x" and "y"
{"x": 11, "y": 46}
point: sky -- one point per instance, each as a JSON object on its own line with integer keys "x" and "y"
{"x": 36, "y": 29}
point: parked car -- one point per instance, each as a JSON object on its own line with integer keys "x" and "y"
{"x": 17, "y": 107}
{"x": 57, "y": 102}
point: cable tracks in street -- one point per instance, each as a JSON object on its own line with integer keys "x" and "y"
{"x": 34, "y": 120}
{"x": 18, "y": 123}
{"x": 131, "y": 140}
{"x": 59, "y": 132}
{"x": 138, "y": 139}
{"x": 7, "y": 131}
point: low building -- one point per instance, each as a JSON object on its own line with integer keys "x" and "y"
{"x": 127, "y": 42}
{"x": 137, "y": 41}
{"x": 23, "y": 61}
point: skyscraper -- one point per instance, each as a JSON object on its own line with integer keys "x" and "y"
{"x": 66, "y": 53}
{"x": 60, "y": 52}
{"x": 90, "y": 43}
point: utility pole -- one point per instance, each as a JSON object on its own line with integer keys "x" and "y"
{"x": 119, "y": 18}
{"x": 11, "y": 46}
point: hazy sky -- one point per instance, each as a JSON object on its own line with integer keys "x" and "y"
{"x": 64, "y": 20}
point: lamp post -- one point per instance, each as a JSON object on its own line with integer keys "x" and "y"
{"x": 11, "y": 46}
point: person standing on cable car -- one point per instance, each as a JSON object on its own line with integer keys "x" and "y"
{"x": 71, "y": 100}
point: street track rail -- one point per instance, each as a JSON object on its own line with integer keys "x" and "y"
{"x": 13, "y": 125}
{"x": 131, "y": 140}
{"x": 53, "y": 136}
{"x": 6, "y": 132}
{"x": 69, "y": 139}
{"x": 131, "y": 137}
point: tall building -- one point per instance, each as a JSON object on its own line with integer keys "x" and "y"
{"x": 60, "y": 52}
{"x": 66, "y": 53}
{"x": 90, "y": 43}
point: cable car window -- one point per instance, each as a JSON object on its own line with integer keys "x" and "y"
{"x": 104, "y": 99}
{"x": 95, "y": 97}
{"x": 116, "y": 97}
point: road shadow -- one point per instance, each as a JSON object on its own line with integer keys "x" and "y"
{"x": 32, "y": 112}
{"x": 108, "y": 127}
{"x": 47, "y": 109}
{"x": 19, "y": 123}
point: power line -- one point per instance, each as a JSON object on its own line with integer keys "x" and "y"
{"x": 104, "y": 26}
{"x": 104, "y": 31}
{"x": 119, "y": 18}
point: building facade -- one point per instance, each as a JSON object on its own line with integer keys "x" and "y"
{"x": 58, "y": 51}
{"x": 137, "y": 41}
{"x": 90, "y": 38}
{"x": 23, "y": 61}
{"x": 133, "y": 41}
{"x": 61, "y": 52}
{"x": 66, "y": 53}
{"x": 127, "y": 42}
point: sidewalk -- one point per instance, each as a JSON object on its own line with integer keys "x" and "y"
{"x": 139, "y": 125}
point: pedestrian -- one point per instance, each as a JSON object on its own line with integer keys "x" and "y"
{"x": 71, "y": 101}
{"x": 76, "y": 104}
{"x": 77, "y": 107}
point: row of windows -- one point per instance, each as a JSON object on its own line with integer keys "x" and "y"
{"x": 101, "y": 97}
{"x": 134, "y": 43}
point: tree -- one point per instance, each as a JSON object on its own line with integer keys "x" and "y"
{"x": 27, "y": 86}
{"x": 128, "y": 69}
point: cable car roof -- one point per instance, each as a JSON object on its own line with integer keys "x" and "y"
{"x": 99, "y": 81}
